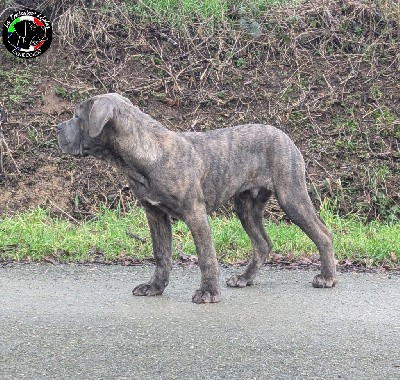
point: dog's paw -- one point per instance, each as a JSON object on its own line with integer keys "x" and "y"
{"x": 324, "y": 282}
{"x": 149, "y": 289}
{"x": 206, "y": 296}
{"x": 238, "y": 281}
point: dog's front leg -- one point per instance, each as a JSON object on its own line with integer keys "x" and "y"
{"x": 161, "y": 236}
{"x": 209, "y": 291}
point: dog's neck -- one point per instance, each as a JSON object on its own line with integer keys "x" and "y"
{"x": 139, "y": 139}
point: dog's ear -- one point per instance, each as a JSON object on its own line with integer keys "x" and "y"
{"x": 100, "y": 114}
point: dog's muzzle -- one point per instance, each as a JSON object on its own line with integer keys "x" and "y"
{"x": 70, "y": 139}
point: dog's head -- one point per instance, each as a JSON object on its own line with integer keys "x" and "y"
{"x": 83, "y": 134}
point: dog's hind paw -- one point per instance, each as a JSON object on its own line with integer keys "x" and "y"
{"x": 238, "y": 281}
{"x": 206, "y": 296}
{"x": 150, "y": 289}
{"x": 324, "y": 282}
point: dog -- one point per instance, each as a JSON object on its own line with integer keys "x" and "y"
{"x": 186, "y": 175}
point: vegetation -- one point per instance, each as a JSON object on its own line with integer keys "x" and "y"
{"x": 115, "y": 236}
{"x": 15, "y": 84}
{"x": 178, "y": 13}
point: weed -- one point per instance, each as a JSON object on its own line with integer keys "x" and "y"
{"x": 34, "y": 136}
{"x": 385, "y": 206}
{"x": 160, "y": 96}
{"x": 345, "y": 144}
{"x": 73, "y": 96}
{"x": 288, "y": 93}
{"x": 384, "y": 116}
{"x": 240, "y": 62}
{"x": 375, "y": 93}
{"x": 221, "y": 94}
{"x": 15, "y": 84}
{"x": 350, "y": 125}
{"x": 296, "y": 116}
{"x": 357, "y": 30}
{"x": 250, "y": 26}
{"x": 396, "y": 131}
{"x": 61, "y": 92}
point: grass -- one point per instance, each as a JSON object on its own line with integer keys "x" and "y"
{"x": 179, "y": 12}
{"x": 36, "y": 235}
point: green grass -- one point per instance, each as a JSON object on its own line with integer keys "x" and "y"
{"x": 179, "y": 12}
{"x": 35, "y": 235}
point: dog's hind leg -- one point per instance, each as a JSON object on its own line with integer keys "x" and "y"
{"x": 249, "y": 205}
{"x": 161, "y": 236}
{"x": 295, "y": 201}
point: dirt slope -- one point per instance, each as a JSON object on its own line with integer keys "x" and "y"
{"x": 327, "y": 73}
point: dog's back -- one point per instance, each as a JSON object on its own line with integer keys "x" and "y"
{"x": 241, "y": 158}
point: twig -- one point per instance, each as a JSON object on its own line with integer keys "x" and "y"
{"x": 3, "y": 143}
{"x": 65, "y": 213}
{"x": 136, "y": 237}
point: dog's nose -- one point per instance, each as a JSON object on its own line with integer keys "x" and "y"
{"x": 59, "y": 127}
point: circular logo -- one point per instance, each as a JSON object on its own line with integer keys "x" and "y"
{"x": 27, "y": 33}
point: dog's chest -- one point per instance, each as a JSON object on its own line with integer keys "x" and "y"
{"x": 147, "y": 195}
{"x": 174, "y": 212}
{"x": 152, "y": 202}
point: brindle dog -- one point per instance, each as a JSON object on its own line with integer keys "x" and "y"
{"x": 187, "y": 175}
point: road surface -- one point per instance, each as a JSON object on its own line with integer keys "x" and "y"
{"x": 81, "y": 322}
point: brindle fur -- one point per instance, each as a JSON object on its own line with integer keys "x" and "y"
{"x": 187, "y": 175}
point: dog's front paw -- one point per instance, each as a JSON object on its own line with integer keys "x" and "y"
{"x": 324, "y": 282}
{"x": 206, "y": 296}
{"x": 238, "y": 281}
{"x": 150, "y": 289}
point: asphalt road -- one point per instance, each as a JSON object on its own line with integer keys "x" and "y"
{"x": 81, "y": 322}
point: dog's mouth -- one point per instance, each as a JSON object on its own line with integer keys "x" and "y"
{"x": 83, "y": 151}
{"x": 79, "y": 153}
